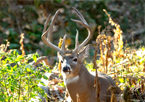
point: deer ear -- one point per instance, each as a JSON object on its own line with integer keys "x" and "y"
{"x": 58, "y": 55}
{"x": 83, "y": 54}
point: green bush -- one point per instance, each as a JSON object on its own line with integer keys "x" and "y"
{"x": 18, "y": 79}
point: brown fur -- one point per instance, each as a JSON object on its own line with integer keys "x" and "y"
{"x": 83, "y": 87}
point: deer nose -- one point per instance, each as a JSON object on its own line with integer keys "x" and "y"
{"x": 66, "y": 69}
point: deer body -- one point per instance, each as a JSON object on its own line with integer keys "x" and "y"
{"x": 82, "y": 84}
{"x": 79, "y": 82}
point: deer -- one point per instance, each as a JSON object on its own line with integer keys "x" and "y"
{"x": 76, "y": 77}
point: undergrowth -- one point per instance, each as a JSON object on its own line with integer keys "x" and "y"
{"x": 19, "y": 80}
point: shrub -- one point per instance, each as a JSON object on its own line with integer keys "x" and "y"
{"x": 19, "y": 79}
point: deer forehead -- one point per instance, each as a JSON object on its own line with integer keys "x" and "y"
{"x": 68, "y": 61}
{"x": 68, "y": 56}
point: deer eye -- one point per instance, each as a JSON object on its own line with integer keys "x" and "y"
{"x": 75, "y": 59}
{"x": 61, "y": 61}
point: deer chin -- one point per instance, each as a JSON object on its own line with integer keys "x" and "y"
{"x": 66, "y": 75}
{"x": 68, "y": 72}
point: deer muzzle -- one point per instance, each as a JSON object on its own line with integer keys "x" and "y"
{"x": 66, "y": 69}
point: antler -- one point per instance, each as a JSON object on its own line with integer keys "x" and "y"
{"x": 84, "y": 23}
{"x": 45, "y": 39}
{"x": 48, "y": 32}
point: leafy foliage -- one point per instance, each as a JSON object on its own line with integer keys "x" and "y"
{"x": 18, "y": 79}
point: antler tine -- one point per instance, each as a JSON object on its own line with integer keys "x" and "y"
{"x": 63, "y": 43}
{"x": 49, "y": 32}
{"x": 84, "y": 23}
{"x": 77, "y": 43}
{"x": 46, "y": 23}
{"x": 45, "y": 26}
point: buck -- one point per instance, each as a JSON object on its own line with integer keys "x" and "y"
{"x": 79, "y": 82}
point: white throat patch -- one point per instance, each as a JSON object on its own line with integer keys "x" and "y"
{"x": 71, "y": 80}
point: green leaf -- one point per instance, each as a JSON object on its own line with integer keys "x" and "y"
{"x": 45, "y": 77}
{"x": 121, "y": 80}
{"x": 19, "y": 58}
{"x": 34, "y": 58}
{"x": 12, "y": 88}
{"x": 8, "y": 67}
{"x": 2, "y": 98}
{"x": 28, "y": 69}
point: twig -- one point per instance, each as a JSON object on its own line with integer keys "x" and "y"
{"x": 121, "y": 63}
{"x": 40, "y": 60}
{"x": 113, "y": 96}
{"x": 96, "y": 83}
{"x": 137, "y": 32}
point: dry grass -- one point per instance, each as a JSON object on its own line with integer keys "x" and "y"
{"x": 22, "y": 45}
{"x": 127, "y": 67}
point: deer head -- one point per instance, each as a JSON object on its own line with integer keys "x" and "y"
{"x": 70, "y": 59}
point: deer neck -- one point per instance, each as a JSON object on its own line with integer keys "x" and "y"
{"x": 80, "y": 84}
